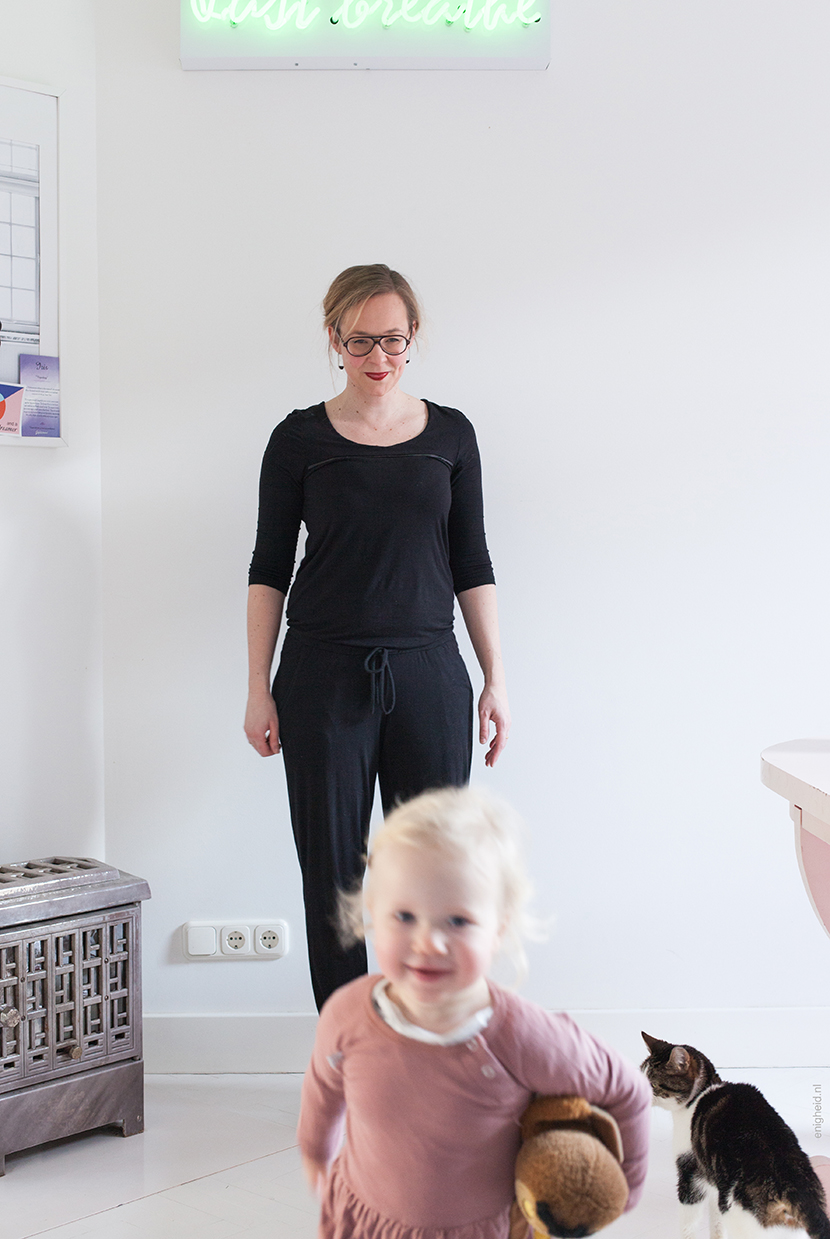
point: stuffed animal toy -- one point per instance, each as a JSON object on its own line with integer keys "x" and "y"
{"x": 569, "y": 1181}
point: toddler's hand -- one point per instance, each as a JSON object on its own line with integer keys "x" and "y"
{"x": 315, "y": 1172}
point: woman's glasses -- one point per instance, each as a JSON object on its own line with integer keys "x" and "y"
{"x": 361, "y": 346}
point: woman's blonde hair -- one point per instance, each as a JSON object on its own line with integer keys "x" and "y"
{"x": 463, "y": 824}
{"x": 352, "y": 288}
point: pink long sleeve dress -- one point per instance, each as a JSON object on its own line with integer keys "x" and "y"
{"x": 432, "y": 1131}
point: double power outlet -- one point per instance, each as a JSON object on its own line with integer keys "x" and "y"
{"x": 235, "y": 939}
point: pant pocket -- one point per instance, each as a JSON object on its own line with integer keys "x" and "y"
{"x": 292, "y": 661}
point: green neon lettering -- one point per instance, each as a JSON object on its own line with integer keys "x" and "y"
{"x": 390, "y": 17}
{"x": 471, "y": 22}
{"x": 354, "y": 13}
{"x": 239, "y": 11}
{"x": 362, "y": 10}
{"x": 365, "y": 9}
{"x": 406, "y": 5}
{"x": 491, "y": 19}
{"x": 430, "y": 20}
{"x": 236, "y": 12}
{"x": 249, "y": 10}
{"x": 287, "y": 11}
{"x": 203, "y": 10}
{"x": 527, "y": 19}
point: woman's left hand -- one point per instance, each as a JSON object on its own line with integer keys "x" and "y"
{"x": 493, "y": 708}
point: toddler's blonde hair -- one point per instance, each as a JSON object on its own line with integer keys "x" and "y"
{"x": 463, "y": 824}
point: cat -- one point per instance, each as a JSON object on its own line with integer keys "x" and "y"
{"x": 733, "y": 1149}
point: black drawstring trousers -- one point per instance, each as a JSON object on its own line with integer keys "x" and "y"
{"x": 349, "y": 715}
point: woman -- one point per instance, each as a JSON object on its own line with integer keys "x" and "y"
{"x": 370, "y": 682}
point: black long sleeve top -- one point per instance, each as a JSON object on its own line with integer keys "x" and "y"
{"x": 392, "y": 532}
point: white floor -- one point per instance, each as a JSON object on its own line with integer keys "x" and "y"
{"x": 219, "y": 1159}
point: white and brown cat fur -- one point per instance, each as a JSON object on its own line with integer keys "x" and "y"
{"x": 733, "y": 1151}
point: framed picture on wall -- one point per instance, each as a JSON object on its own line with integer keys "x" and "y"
{"x": 29, "y": 390}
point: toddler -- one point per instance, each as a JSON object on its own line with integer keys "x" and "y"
{"x": 430, "y": 1064}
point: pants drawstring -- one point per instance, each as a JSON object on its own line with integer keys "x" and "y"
{"x": 383, "y": 682}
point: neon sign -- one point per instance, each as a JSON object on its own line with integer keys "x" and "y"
{"x": 240, "y": 10}
{"x": 491, "y": 11}
{"x": 354, "y": 13}
{"x": 333, "y": 34}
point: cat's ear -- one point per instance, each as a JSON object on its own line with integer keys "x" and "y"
{"x": 654, "y": 1043}
{"x": 679, "y": 1059}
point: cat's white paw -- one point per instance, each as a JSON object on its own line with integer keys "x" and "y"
{"x": 689, "y": 1220}
{"x": 716, "y": 1228}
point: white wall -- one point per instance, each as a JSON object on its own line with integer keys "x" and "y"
{"x": 51, "y": 751}
{"x": 624, "y": 261}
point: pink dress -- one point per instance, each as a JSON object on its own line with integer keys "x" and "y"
{"x": 432, "y": 1131}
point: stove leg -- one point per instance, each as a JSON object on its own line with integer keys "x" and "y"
{"x": 132, "y": 1125}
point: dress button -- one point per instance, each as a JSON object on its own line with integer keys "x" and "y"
{"x": 488, "y": 1071}
{"x": 472, "y": 1045}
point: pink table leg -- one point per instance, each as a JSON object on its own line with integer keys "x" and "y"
{"x": 821, "y": 1165}
{"x": 814, "y": 863}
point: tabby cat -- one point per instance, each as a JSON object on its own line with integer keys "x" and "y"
{"x": 733, "y": 1149}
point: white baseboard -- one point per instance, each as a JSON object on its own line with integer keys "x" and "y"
{"x": 274, "y": 1043}
{"x": 227, "y": 1044}
{"x": 730, "y": 1037}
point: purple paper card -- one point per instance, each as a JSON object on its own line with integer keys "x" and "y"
{"x": 40, "y": 377}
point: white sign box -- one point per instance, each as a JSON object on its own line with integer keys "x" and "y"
{"x": 365, "y": 34}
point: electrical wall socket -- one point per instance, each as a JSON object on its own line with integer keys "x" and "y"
{"x": 235, "y": 940}
{"x": 250, "y": 939}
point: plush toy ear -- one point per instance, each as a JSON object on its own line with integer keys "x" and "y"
{"x": 574, "y": 1114}
{"x": 605, "y": 1128}
{"x": 546, "y": 1113}
{"x": 569, "y": 1179}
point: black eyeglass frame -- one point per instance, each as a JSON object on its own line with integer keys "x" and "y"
{"x": 390, "y": 335}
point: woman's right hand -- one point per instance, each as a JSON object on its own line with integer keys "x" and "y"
{"x": 261, "y": 723}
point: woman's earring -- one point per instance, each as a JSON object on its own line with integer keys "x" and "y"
{"x": 407, "y": 361}
{"x": 340, "y": 365}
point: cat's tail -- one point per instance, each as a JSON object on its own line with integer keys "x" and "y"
{"x": 810, "y": 1212}
{"x": 801, "y": 1202}
{"x": 816, "y": 1221}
